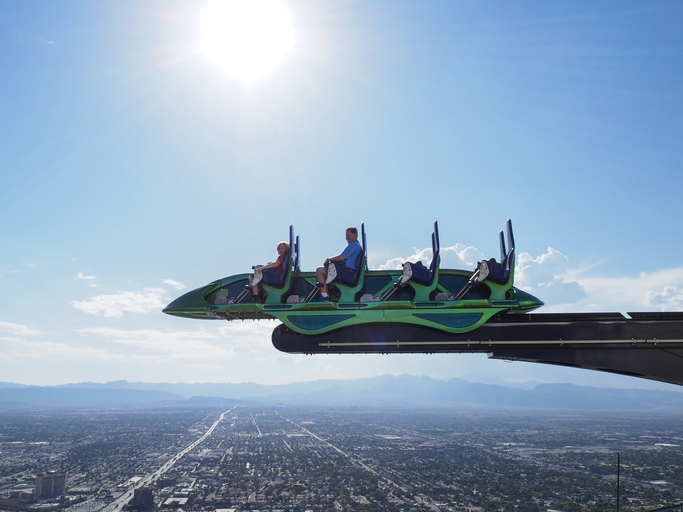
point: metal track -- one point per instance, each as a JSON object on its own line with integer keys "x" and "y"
{"x": 646, "y": 345}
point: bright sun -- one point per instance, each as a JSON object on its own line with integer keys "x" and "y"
{"x": 246, "y": 38}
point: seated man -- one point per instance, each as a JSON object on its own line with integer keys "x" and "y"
{"x": 347, "y": 261}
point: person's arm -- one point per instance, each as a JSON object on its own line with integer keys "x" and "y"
{"x": 272, "y": 264}
{"x": 339, "y": 257}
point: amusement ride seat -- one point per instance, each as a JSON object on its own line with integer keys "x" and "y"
{"x": 350, "y": 283}
{"x": 282, "y": 282}
{"x": 425, "y": 280}
{"x": 491, "y": 270}
{"x": 422, "y": 280}
{"x": 501, "y": 272}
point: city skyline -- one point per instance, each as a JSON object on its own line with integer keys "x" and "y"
{"x": 136, "y": 169}
{"x": 283, "y": 457}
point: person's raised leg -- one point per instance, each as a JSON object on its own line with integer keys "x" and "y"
{"x": 321, "y": 277}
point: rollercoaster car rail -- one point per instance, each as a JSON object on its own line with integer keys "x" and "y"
{"x": 646, "y": 345}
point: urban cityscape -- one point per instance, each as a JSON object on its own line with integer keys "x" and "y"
{"x": 228, "y": 457}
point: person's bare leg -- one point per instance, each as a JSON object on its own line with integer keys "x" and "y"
{"x": 321, "y": 276}
{"x": 254, "y": 287}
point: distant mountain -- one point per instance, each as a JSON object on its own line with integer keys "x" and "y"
{"x": 44, "y": 396}
{"x": 501, "y": 382}
{"x": 409, "y": 391}
{"x": 248, "y": 390}
{"x": 215, "y": 401}
{"x": 384, "y": 391}
{"x": 12, "y": 385}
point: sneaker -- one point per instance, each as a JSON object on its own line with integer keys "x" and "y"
{"x": 322, "y": 299}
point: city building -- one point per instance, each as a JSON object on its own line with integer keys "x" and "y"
{"x": 50, "y": 484}
{"x": 143, "y": 498}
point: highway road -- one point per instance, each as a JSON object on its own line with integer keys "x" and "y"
{"x": 121, "y": 501}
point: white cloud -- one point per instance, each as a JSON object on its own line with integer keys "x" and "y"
{"x": 549, "y": 276}
{"x": 566, "y": 288}
{"x": 670, "y": 298}
{"x": 460, "y": 256}
{"x": 47, "y": 350}
{"x": 17, "y": 329}
{"x": 80, "y": 275}
{"x": 424, "y": 255}
{"x": 456, "y": 256}
{"x": 182, "y": 345}
{"x": 392, "y": 264}
{"x": 147, "y": 301}
{"x": 175, "y": 284}
{"x": 247, "y": 336}
{"x": 661, "y": 291}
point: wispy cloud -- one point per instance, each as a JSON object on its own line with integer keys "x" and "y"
{"x": 18, "y": 341}
{"x": 80, "y": 275}
{"x": 550, "y": 277}
{"x": 194, "y": 344}
{"x": 175, "y": 284}
{"x": 54, "y": 351}
{"x": 115, "y": 305}
{"x": 660, "y": 291}
{"x": 17, "y": 329}
{"x": 247, "y": 336}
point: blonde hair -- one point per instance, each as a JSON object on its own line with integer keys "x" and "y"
{"x": 286, "y": 245}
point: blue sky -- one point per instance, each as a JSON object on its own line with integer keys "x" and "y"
{"x": 134, "y": 168}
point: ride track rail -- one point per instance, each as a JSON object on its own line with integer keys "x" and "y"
{"x": 646, "y": 345}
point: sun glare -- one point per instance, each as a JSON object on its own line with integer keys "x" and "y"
{"x": 246, "y": 38}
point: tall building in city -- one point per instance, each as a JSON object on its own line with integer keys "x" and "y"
{"x": 143, "y": 498}
{"x": 50, "y": 484}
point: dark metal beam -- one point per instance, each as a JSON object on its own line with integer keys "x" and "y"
{"x": 646, "y": 345}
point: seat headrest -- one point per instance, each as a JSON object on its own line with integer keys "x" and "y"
{"x": 435, "y": 259}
